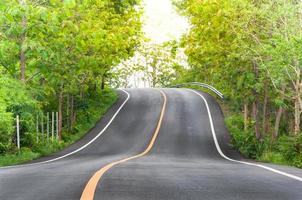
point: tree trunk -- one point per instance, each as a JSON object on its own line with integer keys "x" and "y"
{"x": 264, "y": 114}
{"x": 256, "y": 104}
{"x": 245, "y": 116}
{"x": 22, "y": 62}
{"x": 256, "y": 120}
{"x": 60, "y": 113}
{"x": 22, "y": 40}
{"x": 297, "y": 101}
{"x": 277, "y": 123}
{"x": 297, "y": 116}
{"x": 279, "y": 114}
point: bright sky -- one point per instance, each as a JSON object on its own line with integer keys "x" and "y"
{"x": 162, "y": 22}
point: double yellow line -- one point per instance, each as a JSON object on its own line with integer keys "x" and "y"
{"x": 89, "y": 191}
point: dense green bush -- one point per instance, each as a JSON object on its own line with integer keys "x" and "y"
{"x": 244, "y": 141}
{"x": 15, "y": 100}
{"x": 286, "y": 149}
{"x": 6, "y": 126}
{"x": 298, "y": 161}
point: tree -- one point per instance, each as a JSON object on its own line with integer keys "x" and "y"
{"x": 248, "y": 49}
{"x": 154, "y": 65}
{"x": 62, "y": 51}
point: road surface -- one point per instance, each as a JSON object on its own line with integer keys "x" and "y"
{"x": 152, "y": 144}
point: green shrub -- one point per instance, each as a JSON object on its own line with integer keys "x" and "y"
{"x": 298, "y": 161}
{"x": 286, "y": 146}
{"x": 46, "y": 148}
{"x": 244, "y": 141}
{"x": 15, "y": 100}
{"x": 291, "y": 147}
{"x": 6, "y": 126}
{"x": 285, "y": 150}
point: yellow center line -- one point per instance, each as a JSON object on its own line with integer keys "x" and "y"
{"x": 89, "y": 191}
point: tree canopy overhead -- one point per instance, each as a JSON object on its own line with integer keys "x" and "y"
{"x": 250, "y": 50}
{"x": 60, "y": 53}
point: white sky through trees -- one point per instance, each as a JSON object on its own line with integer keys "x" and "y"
{"x": 162, "y": 22}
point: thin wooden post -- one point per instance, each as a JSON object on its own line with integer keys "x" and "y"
{"x": 37, "y": 128}
{"x": 57, "y": 115}
{"x": 47, "y": 126}
{"x": 42, "y": 127}
{"x": 18, "y": 132}
{"x": 52, "y": 125}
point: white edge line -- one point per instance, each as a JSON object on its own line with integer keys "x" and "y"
{"x": 84, "y": 146}
{"x": 237, "y": 161}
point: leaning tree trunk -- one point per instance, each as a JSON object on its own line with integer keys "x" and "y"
{"x": 277, "y": 122}
{"x": 256, "y": 120}
{"x": 279, "y": 114}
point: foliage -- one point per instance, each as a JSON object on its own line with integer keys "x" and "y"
{"x": 154, "y": 65}
{"x": 16, "y": 100}
{"x": 251, "y": 51}
{"x": 56, "y": 56}
{"x": 96, "y": 109}
{"x": 273, "y": 157}
{"x": 245, "y": 142}
{"x": 97, "y": 106}
{"x": 284, "y": 150}
{"x": 16, "y": 158}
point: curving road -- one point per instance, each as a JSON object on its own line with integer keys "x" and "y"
{"x": 153, "y": 145}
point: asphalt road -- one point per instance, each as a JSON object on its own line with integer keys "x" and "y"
{"x": 183, "y": 162}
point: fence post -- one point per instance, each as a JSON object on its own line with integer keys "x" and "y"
{"x": 42, "y": 127}
{"x": 47, "y": 126}
{"x": 18, "y": 132}
{"x": 37, "y": 128}
{"x": 57, "y": 114}
{"x": 52, "y": 125}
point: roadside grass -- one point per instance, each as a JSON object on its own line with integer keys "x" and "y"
{"x": 86, "y": 120}
{"x": 20, "y": 157}
{"x": 273, "y": 157}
